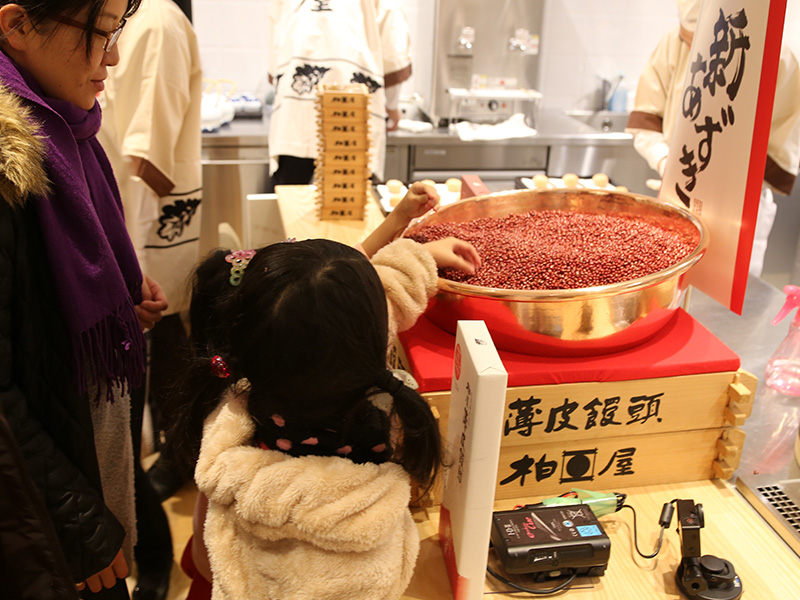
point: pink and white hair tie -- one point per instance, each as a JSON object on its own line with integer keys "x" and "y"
{"x": 239, "y": 260}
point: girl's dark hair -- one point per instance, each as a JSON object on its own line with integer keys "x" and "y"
{"x": 307, "y": 327}
{"x": 40, "y": 11}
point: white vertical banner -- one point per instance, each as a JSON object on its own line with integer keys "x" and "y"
{"x": 718, "y": 148}
{"x": 474, "y": 433}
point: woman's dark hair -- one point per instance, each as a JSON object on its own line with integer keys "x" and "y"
{"x": 186, "y": 7}
{"x": 307, "y": 327}
{"x": 40, "y": 11}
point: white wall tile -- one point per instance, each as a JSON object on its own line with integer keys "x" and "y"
{"x": 233, "y": 40}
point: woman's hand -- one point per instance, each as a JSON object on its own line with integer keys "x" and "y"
{"x": 154, "y": 302}
{"x": 455, "y": 253}
{"x": 107, "y": 578}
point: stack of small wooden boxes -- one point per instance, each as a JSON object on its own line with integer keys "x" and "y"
{"x": 342, "y": 167}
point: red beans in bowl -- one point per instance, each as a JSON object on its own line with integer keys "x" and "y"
{"x": 560, "y": 249}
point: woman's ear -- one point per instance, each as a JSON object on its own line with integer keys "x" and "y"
{"x": 14, "y": 25}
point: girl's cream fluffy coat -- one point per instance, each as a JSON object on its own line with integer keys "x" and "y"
{"x": 311, "y": 528}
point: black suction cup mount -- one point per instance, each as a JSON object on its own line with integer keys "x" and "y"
{"x": 704, "y": 577}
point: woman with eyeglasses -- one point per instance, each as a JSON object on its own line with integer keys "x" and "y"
{"x": 73, "y": 300}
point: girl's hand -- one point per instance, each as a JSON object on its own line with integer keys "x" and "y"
{"x": 456, "y": 253}
{"x": 419, "y": 199}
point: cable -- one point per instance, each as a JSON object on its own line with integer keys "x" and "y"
{"x": 561, "y": 586}
{"x": 664, "y": 521}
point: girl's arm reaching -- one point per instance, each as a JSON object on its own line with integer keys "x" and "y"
{"x": 408, "y": 272}
{"x": 419, "y": 199}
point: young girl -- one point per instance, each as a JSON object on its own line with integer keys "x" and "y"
{"x": 308, "y": 440}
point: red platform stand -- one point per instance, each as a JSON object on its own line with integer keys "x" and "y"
{"x": 682, "y": 347}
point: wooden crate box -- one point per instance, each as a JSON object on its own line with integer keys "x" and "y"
{"x": 602, "y": 435}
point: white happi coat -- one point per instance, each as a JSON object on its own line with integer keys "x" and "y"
{"x": 152, "y": 134}
{"x": 332, "y": 41}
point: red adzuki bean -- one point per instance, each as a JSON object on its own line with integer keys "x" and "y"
{"x": 558, "y": 249}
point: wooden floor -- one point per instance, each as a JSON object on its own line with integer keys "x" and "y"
{"x": 179, "y": 510}
{"x": 733, "y": 530}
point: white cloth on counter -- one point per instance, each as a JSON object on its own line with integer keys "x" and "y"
{"x": 414, "y": 126}
{"x": 513, "y": 127}
{"x": 216, "y": 110}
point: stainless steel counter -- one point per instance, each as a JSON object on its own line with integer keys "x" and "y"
{"x": 235, "y": 163}
{"x": 768, "y": 475}
{"x": 562, "y": 144}
{"x": 553, "y": 126}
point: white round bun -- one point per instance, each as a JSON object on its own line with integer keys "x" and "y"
{"x": 453, "y": 184}
{"x": 395, "y": 186}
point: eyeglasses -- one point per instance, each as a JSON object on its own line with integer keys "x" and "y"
{"x": 111, "y": 36}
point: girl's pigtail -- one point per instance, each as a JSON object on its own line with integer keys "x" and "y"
{"x": 202, "y": 389}
{"x": 420, "y": 448}
{"x": 203, "y": 380}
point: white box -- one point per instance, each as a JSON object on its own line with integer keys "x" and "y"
{"x": 474, "y": 433}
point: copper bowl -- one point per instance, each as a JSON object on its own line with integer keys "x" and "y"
{"x": 569, "y": 322}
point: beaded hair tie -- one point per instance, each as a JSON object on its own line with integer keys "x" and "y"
{"x": 239, "y": 261}
{"x": 219, "y": 367}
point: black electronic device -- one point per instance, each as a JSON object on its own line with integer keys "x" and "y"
{"x": 551, "y": 541}
{"x": 705, "y": 577}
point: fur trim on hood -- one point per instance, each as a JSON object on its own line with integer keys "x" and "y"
{"x": 314, "y": 527}
{"x": 22, "y": 152}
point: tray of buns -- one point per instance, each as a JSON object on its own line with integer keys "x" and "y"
{"x": 390, "y": 193}
{"x": 598, "y": 181}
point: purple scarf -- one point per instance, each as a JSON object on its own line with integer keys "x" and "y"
{"x": 93, "y": 264}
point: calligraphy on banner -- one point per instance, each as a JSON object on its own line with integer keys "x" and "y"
{"x": 720, "y": 70}
{"x": 718, "y": 146}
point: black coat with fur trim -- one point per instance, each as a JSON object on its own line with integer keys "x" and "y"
{"x": 50, "y": 420}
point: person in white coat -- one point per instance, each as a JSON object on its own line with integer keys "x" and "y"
{"x": 658, "y": 98}
{"x": 317, "y": 42}
{"x": 151, "y": 131}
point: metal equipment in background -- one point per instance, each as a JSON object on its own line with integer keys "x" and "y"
{"x": 486, "y": 60}
{"x": 235, "y": 164}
